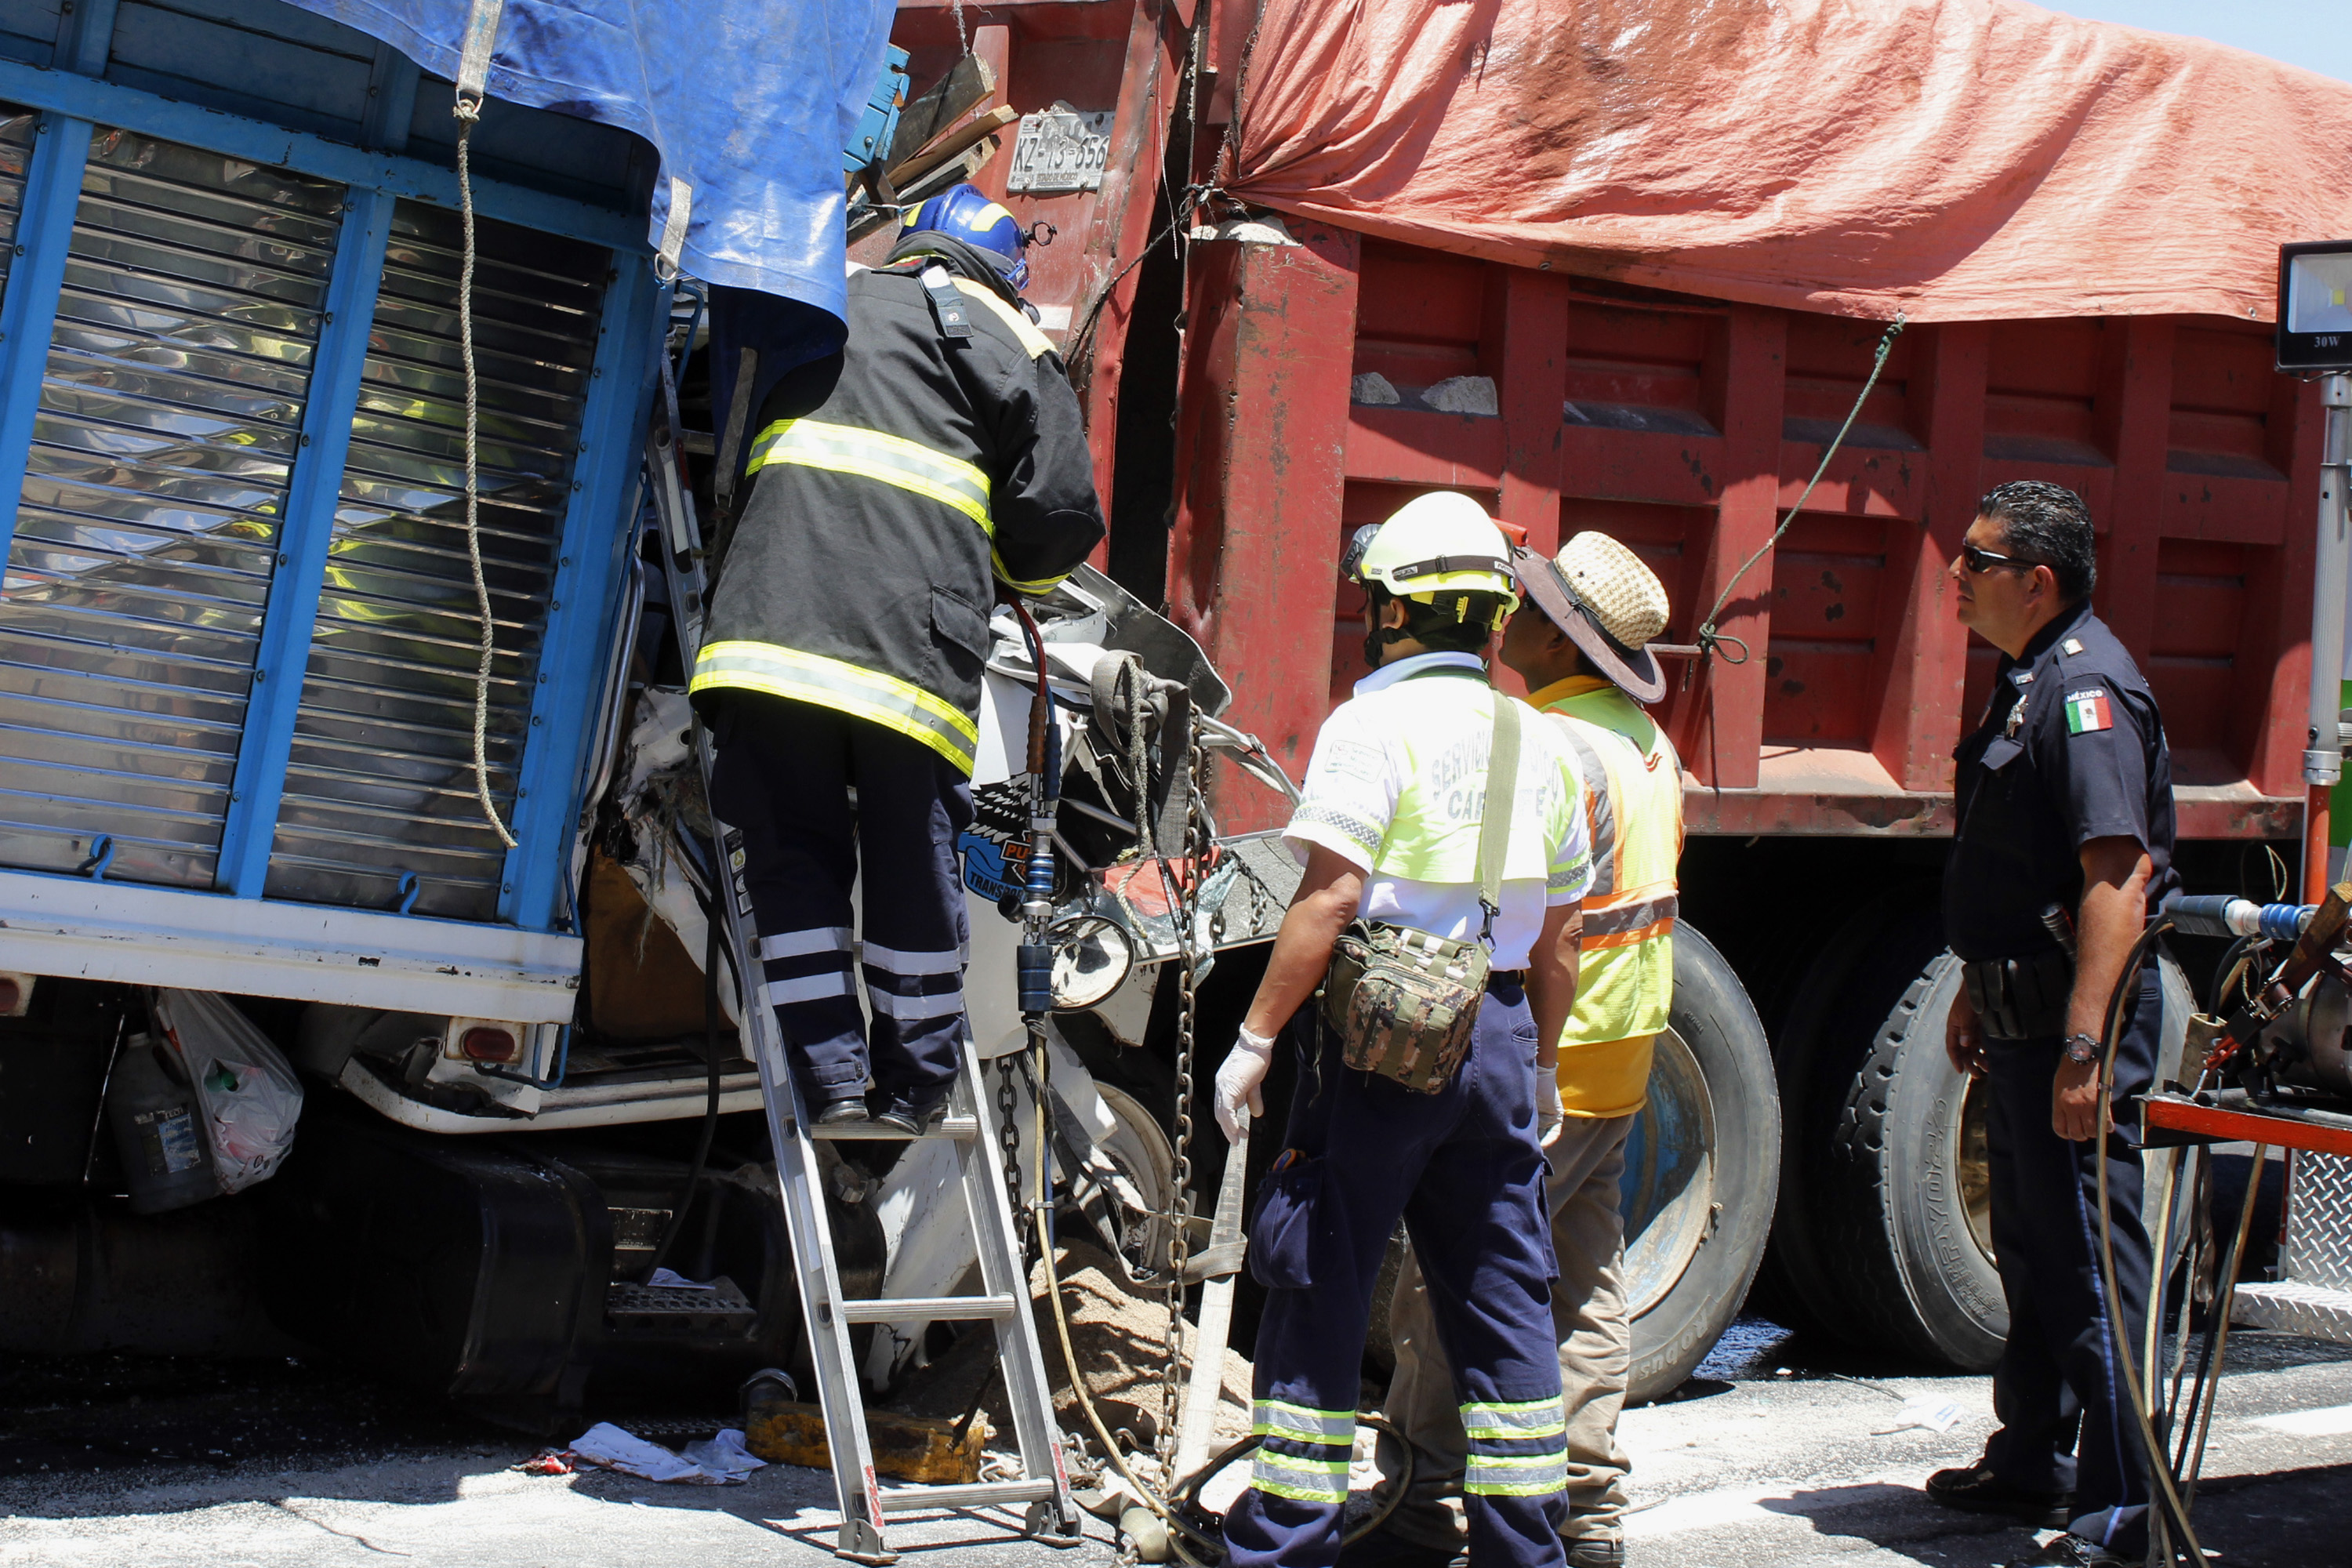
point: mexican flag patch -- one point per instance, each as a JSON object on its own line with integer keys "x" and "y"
{"x": 2088, "y": 711}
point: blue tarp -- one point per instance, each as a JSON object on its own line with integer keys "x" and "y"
{"x": 750, "y": 102}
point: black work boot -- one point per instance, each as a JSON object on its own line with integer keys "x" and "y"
{"x": 913, "y": 1115}
{"x": 849, "y": 1108}
{"x": 1974, "y": 1489}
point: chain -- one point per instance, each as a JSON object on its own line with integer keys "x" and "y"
{"x": 468, "y": 112}
{"x": 1008, "y": 1138}
{"x": 1180, "y": 1246}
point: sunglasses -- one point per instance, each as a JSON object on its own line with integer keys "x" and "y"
{"x": 1983, "y": 560}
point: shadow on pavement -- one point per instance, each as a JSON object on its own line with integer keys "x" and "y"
{"x": 1900, "y": 1518}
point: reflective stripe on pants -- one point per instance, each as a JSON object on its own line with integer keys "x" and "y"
{"x": 783, "y": 779}
{"x": 1462, "y": 1168}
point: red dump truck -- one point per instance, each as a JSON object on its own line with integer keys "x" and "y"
{"x": 1260, "y": 384}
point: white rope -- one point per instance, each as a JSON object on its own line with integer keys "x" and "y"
{"x": 963, "y": 42}
{"x": 468, "y": 112}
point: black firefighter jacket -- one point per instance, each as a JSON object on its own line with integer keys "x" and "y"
{"x": 890, "y": 486}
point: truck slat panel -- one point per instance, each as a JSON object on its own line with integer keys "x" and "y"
{"x": 1685, "y": 426}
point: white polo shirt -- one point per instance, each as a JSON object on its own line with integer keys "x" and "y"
{"x": 1397, "y": 788}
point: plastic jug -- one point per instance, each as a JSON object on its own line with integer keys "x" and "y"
{"x": 159, "y": 1127}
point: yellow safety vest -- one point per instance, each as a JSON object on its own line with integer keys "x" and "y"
{"x": 1626, "y": 972}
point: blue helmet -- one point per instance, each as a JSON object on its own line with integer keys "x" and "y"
{"x": 962, "y": 213}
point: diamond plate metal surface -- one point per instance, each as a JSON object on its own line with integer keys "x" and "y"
{"x": 2319, "y": 1223}
{"x": 2312, "y": 1310}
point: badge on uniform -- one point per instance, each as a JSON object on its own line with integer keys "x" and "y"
{"x": 2088, "y": 711}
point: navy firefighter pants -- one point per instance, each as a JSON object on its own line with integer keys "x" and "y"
{"x": 782, "y": 778}
{"x": 2066, "y": 1422}
{"x": 1464, "y": 1168}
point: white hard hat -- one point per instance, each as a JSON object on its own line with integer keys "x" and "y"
{"x": 1443, "y": 541}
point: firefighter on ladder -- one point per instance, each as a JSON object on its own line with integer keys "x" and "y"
{"x": 1391, "y": 825}
{"x": 897, "y": 489}
{"x": 1579, "y": 644}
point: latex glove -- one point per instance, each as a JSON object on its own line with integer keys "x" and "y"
{"x": 1548, "y": 1114}
{"x": 1238, "y": 1077}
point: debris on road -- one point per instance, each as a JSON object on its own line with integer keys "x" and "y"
{"x": 1924, "y": 1411}
{"x": 609, "y": 1447}
{"x": 1120, "y": 1336}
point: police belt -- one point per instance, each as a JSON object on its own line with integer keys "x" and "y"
{"x": 2020, "y": 998}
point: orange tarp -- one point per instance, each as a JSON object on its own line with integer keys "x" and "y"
{"x": 1956, "y": 160}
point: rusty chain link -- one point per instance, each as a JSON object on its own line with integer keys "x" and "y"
{"x": 1186, "y": 906}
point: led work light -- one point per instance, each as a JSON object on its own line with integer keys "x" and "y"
{"x": 2315, "y": 312}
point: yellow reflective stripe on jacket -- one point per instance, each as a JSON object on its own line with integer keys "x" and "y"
{"x": 1034, "y": 343}
{"x": 996, "y": 565}
{"x": 846, "y": 687}
{"x": 1630, "y": 918}
{"x": 871, "y": 455}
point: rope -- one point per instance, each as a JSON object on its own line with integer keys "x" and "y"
{"x": 1710, "y": 637}
{"x": 963, "y": 42}
{"x": 2167, "y": 1512}
{"x": 468, "y": 112}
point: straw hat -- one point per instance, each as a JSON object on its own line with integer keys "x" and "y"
{"x": 1609, "y": 605}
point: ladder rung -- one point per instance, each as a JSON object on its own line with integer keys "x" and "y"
{"x": 847, "y": 1131}
{"x": 948, "y": 1309}
{"x": 906, "y": 1499}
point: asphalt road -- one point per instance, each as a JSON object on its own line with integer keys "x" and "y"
{"x": 1778, "y": 1455}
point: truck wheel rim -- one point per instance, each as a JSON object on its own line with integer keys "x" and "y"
{"x": 1141, "y": 1150}
{"x": 1668, "y": 1187}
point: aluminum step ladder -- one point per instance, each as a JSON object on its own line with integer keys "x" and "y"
{"x": 1003, "y": 1303}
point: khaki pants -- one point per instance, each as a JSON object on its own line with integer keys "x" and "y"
{"x": 1586, "y": 1157}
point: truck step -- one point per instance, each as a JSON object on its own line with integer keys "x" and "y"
{"x": 723, "y": 1309}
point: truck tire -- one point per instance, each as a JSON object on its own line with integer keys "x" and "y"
{"x": 1702, "y": 1167}
{"x": 1896, "y": 1197}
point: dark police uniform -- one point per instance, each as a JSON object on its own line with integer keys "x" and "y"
{"x": 896, "y": 486}
{"x": 2071, "y": 749}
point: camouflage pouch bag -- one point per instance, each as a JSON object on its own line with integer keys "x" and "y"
{"x": 1404, "y": 1001}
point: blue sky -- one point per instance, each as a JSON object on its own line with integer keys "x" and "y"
{"x": 2313, "y": 33}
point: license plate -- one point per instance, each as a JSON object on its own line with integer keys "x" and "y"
{"x": 1059, "y": 150}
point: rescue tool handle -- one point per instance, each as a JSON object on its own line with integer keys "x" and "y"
{"x": 2223, "y": 915}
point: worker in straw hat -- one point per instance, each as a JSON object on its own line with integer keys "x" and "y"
{"x": 1578, "y": 641}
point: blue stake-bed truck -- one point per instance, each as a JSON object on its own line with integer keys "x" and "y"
{"x": 249, "y": 753}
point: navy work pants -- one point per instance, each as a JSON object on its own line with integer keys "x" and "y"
{"x": 2066, "y": 1421}
{"x": 1464, "y": 1170}
{"x": 782, "y": 778}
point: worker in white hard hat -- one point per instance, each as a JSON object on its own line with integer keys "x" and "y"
{"x": 1580, "y": 642}
{"x": 1427, "y": 962}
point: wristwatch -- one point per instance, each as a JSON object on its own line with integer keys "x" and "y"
{"x": 2082, "y": 1047}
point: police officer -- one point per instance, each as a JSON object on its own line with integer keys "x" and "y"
{"x": 899, "y": 488}
{"x": 2063, "y": 805}
{"x": 1578, "y": 642}
{"x": 1389, "y": 829}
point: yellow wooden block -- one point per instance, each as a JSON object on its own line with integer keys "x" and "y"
{"x": 906, "y": 1447}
